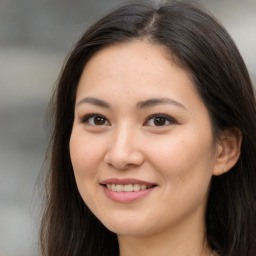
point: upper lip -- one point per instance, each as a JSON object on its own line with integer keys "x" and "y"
{"x": 126, "y": 181}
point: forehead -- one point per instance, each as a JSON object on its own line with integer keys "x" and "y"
{"x": 128, "y": 56}
{"x": 133, "y": 66}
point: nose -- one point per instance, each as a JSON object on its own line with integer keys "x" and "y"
{"x": 124, "y": 150}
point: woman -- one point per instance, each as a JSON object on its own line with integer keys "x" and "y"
{"x": 153, "y": 144}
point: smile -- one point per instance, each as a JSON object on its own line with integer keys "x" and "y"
{"x": 127, "y": 190}
{"x": 127, "y": 187}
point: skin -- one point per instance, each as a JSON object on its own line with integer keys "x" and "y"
{"x": 178, "y": 156}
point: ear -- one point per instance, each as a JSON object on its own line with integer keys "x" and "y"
{"x": 228, "y": 150}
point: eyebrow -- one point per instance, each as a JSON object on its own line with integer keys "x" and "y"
{"x": 142, "y": 104}
{"x": 94, "y": 101}
{"x": 158, "y": 101}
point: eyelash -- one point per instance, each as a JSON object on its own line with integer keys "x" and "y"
{"x": 86, "y": 118}
{"x": 164, "y": 117}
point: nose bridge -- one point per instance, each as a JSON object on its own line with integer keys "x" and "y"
{"x": 124, "y": 135}
{"x": 123, "y": 149}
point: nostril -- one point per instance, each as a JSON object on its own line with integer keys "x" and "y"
{"x": 123, "y": 159}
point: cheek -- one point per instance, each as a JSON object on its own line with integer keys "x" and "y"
{"x": 85, "y": 157}
{"x": 185, "y": 166}
{"x": 183, "y": 156}
{"x": 85, "y": 154}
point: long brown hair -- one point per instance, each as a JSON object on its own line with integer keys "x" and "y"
{"x": 202, "y": 46}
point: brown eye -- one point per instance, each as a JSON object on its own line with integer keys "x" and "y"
{"x": 160, "y": 120}
{"x": 95, "y": 119}
{"x": 98, "y": 120}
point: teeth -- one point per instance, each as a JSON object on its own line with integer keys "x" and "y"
{"x": 143, "y": 187}
{"x": 119, "y": 188}
{"x": 136, "y": 187}
{"x": 127, "y": 187}
{"x": 113, "y": 187}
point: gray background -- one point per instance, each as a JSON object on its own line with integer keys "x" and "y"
{"x": 35, "y": 36}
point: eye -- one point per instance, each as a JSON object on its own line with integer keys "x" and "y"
{"x": 95, "y": 119}
{"x": 160, "y": 120}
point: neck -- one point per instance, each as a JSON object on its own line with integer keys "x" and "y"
{"x": 163, "y": 247}
{"x": 184, "y": 240}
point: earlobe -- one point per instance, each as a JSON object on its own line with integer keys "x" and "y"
{"x": 228, "y": 151}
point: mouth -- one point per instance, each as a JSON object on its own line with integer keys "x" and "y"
{"x": 127, "y": 187}
{"x": 127, "y": 190}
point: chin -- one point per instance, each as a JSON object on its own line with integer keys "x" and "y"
{"x": 128, "y": 227}
{"x": 127, "y": 230}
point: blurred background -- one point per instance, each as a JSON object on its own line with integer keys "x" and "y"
{"x": 35, "y": 37}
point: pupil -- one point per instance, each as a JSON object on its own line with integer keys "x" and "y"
{"x": 159, "y": 121}
{"x": 99, "y": 120}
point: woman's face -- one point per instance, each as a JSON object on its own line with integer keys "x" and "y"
{"x": 141, "y": 147}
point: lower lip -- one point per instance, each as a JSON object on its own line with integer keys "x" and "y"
{"x": 126, "y": 197}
